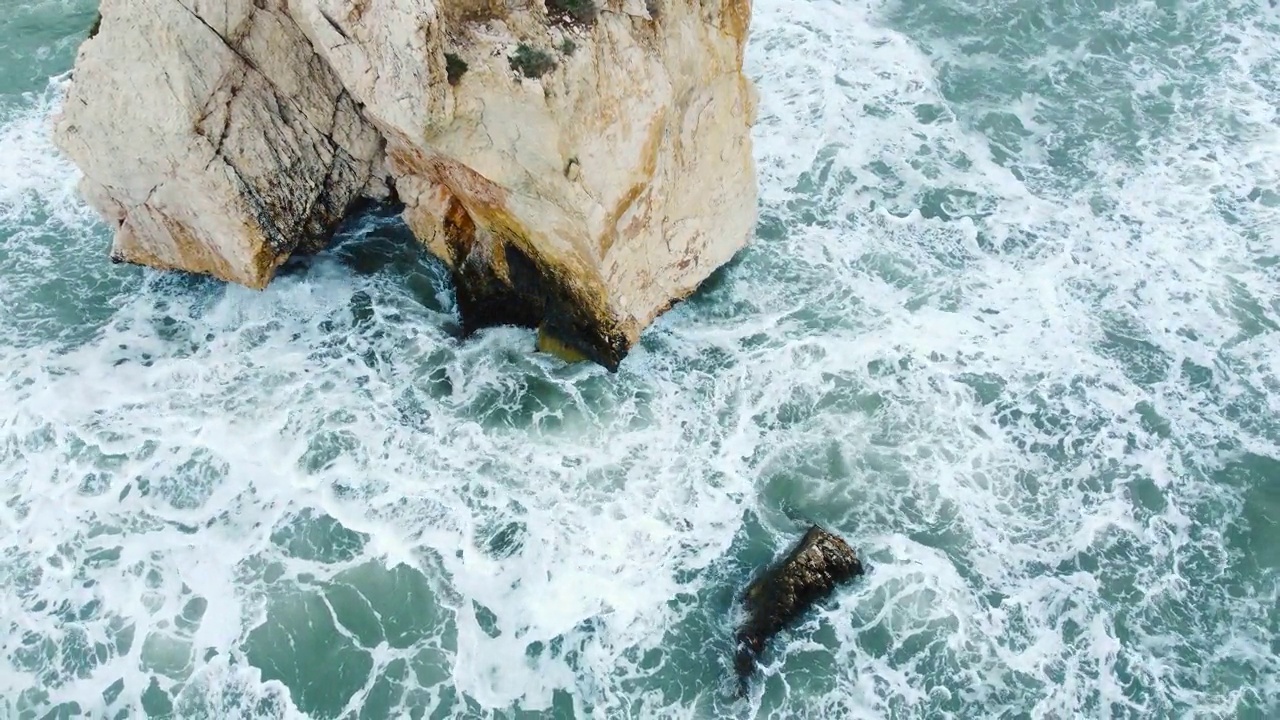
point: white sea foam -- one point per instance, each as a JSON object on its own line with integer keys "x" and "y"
{"x": 1019, "y": 412}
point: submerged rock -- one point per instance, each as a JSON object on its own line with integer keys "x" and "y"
{"x": 581, "y": 195}
{"x": 809, "y": 573}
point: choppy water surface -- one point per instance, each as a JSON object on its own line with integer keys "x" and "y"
{"x": 1011, "y": 324}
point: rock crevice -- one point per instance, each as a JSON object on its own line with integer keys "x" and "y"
{"x": 222, "y": 137}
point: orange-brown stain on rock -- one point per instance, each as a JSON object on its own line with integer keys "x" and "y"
{"x": 192, "y": 255}
{"x": 471, "y": 186}
{"x": 459, "y": 231}
{"x": 649, "y": 159}
{"x": 197, "y": 256}
{"x": 735, "y": 20}
{"x": 736, "y": 16}
{"x": 358, "y": 8}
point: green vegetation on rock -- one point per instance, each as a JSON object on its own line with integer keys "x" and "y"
{"x": 454, "y": 67}
{"x": 531, "y": 62}
{"x": 572, "y": 12}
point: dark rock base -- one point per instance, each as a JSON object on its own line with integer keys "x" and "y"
{"x": 533, "y": 296}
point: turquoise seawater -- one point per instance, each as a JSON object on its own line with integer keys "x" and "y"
{"x": 1010, "y": 324}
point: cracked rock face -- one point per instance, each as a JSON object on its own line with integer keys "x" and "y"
{"x": 580, "y": 188}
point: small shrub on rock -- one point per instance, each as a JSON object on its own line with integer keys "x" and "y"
{"x": 454, "y": 67}
{"x": 572, "y": 12}
{"x": 531, "y": 62}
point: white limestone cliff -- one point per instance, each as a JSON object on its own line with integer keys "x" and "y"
{"x": 579, "y": 166}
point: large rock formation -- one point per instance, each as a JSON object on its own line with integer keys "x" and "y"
{"x": 809, "y": 573}
{"x": 579, "y": 168}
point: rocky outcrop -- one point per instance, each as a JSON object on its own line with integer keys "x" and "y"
{"x": 809, "y": 573}
{"x": 579, "y": 166}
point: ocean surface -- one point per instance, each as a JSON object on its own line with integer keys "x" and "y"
{"x": 1010, "y": 324}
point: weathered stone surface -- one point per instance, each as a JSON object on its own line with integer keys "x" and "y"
{"x": 809, "y": 573}
{"x": 219, "y": 136}
{"x": 212, "y": 137}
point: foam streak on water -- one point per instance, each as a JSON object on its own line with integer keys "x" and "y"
{"x": 1010, "y": 325}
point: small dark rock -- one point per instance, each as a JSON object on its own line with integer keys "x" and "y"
{"x": 97, "y": 25}
{"x": 809, "y": 573}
